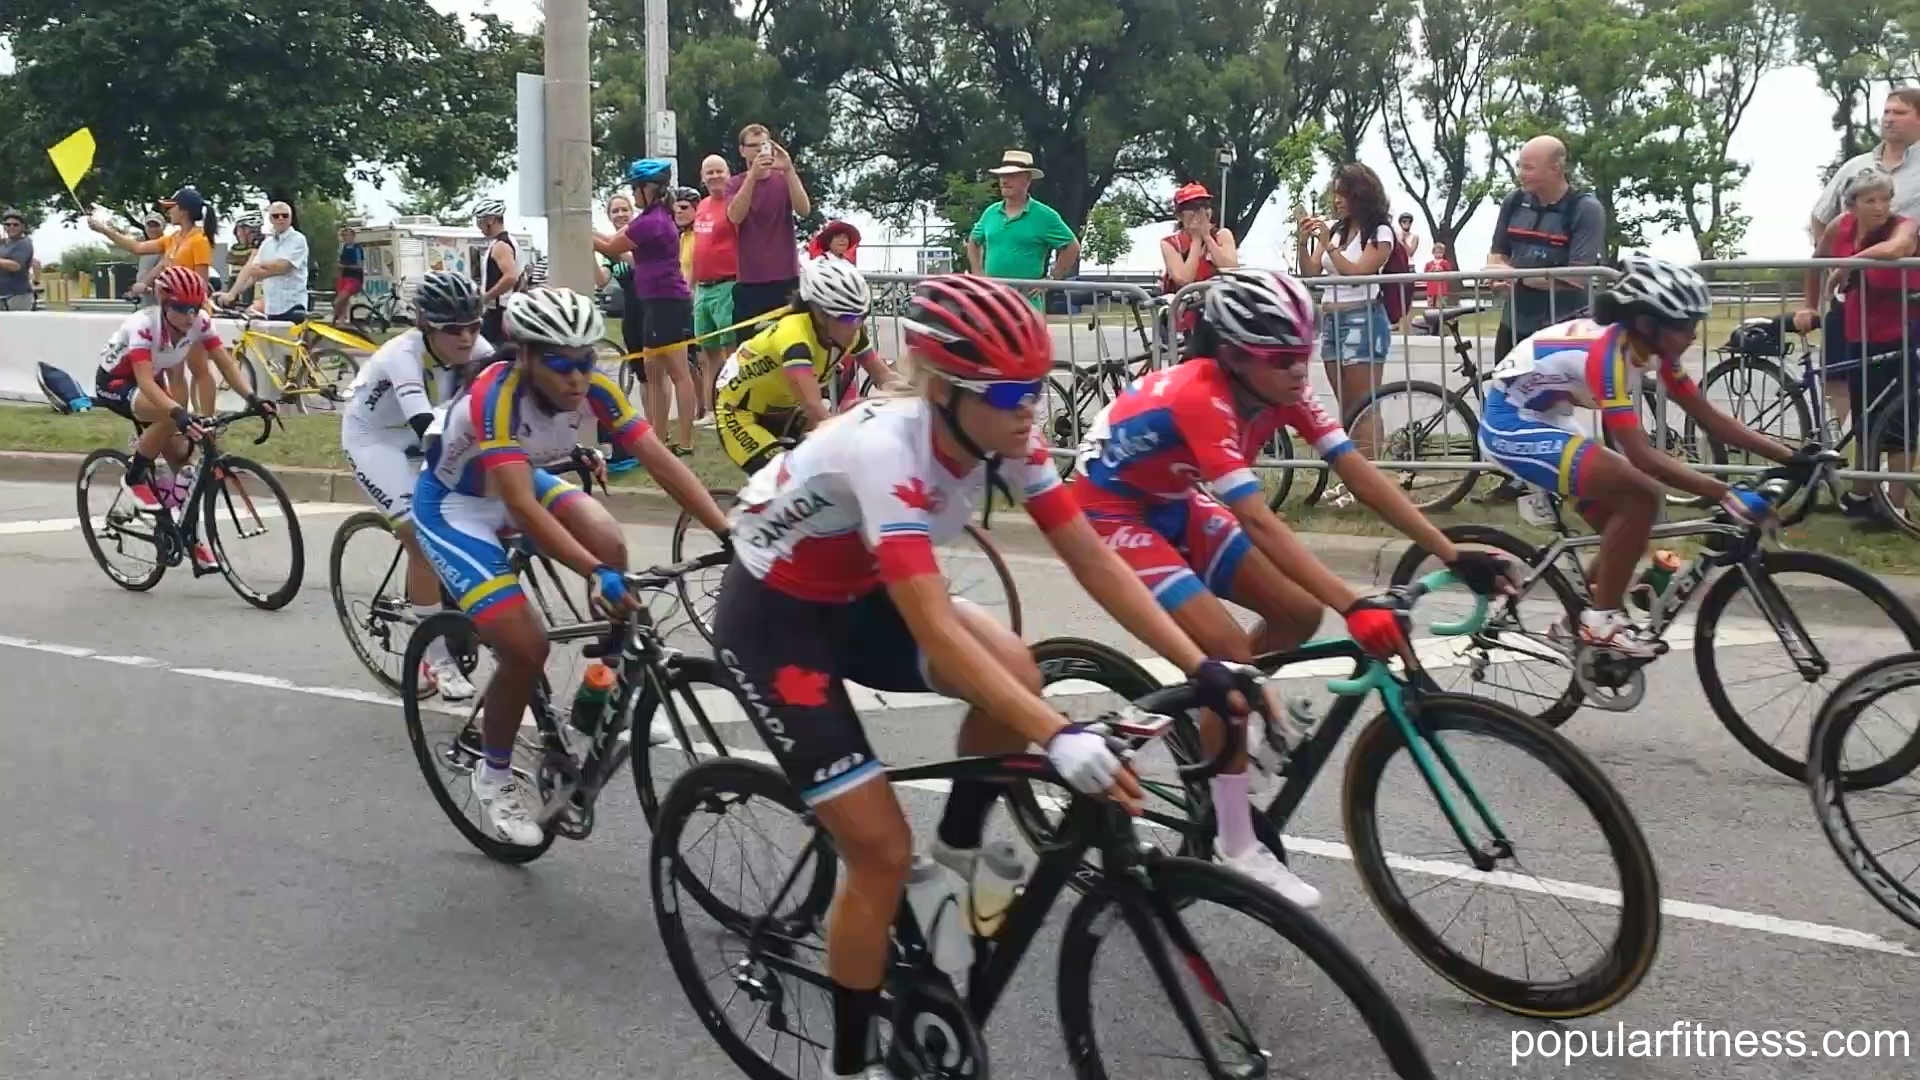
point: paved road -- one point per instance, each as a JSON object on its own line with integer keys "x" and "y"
{"x": 220, "y": 861}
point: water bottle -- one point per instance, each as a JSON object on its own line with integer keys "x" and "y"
{"x": 1653, "y": 580}
{"x": 997, "y": 874}
{"x": 590, "y": 701}
{"x": 936, "y": 907}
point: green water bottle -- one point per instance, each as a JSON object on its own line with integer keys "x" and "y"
{"x": 590, "y": 701}
{"x": 1654, "y": 579}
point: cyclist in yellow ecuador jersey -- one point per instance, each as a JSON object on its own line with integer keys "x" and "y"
{"x": 771, "y": 386}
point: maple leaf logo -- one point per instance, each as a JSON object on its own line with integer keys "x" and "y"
{"x": 795, "y": 685}
{"x": 915, "y": 493}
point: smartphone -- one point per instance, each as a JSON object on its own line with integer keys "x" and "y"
{"x": 766, "y": 150}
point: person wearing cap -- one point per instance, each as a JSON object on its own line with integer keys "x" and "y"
{"x": 1016, "y": 236}
{"x": 279, "y": 267}
{"x": 837, "y": 238}
{"x": 1196, "y": 248}
{"x": 16, "y": 263}
{"x": 247, "y": 229}
{"x": 188, "y": 243}
{"x": 155, "y": 227}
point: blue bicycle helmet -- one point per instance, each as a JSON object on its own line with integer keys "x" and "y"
{"x": 649, "y": 170}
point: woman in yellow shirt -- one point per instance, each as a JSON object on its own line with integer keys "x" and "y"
{"x": 188, "y": 243}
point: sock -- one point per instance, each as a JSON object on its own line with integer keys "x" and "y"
{"x": 1232, "y": 813}
{"x": 853, "y": 1012}
{"x": 138, "y": 466}
{"x": 965, "y": 819}
{"x": 437, "y": 649}
{"x": 499, "y": 764}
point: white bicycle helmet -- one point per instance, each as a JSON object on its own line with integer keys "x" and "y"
{"x": 252, "y": 219}
{"x": 835, "y": 286}
{"x": 1664, "y": 290}
{"x": 487, "y": 208}
{"x": 1261, "y": 308}
{"x": 558, "y": 317}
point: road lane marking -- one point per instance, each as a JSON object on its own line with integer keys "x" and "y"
{"x": 55, "y": 525}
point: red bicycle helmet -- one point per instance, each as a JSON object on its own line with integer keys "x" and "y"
{"x": 977, "y": 330}
{"x": 1193, "y": 192}
{"x": 182, "y": 286}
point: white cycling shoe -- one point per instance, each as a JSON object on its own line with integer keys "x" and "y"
{"x": 1613, "y": 631}
{"x": 871, "y": 1072}
{"x": 508, "y": 807}
{"x": 659, "y": 731}
{"x": 1266, "y": 868}
{"x": 444, "y": 676}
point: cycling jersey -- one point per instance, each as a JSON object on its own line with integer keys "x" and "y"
{"x": 498, "y": 423}
{"x": 863, "y": 501}
{"x": 754, "y": 378}
{"x": 399, "y": 382}
{"x": 145, "y": 338}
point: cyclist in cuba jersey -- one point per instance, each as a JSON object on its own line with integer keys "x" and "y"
{"x": 835, "y": 579}
{"x": 1644, "y": 319}
{"x": 1143, "y": 479}
{"x": 482, "y": 477}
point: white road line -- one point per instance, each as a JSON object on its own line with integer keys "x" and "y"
{"x": 54, "y": 525}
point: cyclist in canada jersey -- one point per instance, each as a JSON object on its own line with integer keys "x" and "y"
{"x": 834, "y": 578}
{"x": 143, "y": 376}
{"x": 482, "y": 477}
{"x": 1644, "y": 319}
{"x": 1140, "y": 476}
{"x": 389, "y": 408}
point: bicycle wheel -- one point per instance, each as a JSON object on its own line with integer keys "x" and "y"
{"x": 1855, "y": 818}
{"x": 1278, "y": 481}
{"x": 369, "y": 591}
{"x": 1887, "y": 442}
{"x": 1259, "y": 965}
{"x": 1421, "y": 421}
{"x": 1522, "y": 658}
{"x": 1674, "y": 436}
{"x": 1853, "y": 599}
{"x": 1086, "y": 679}
{"x": 1760, "y": 394}
{"x": 235, "y": 490}
{"x": 976, "y": 571}
{"x": 113, "y": 527}
{"x": 699, "y": 591}
{"x": 448, "y": 753}
{"x": 1623, "y": 959}
{"x": 764, "y": 976}
{"x": 706, "y": 717}
{"x": 331, "y": 370}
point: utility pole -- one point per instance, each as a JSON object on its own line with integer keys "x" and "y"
{"x": 662, "y": 138}
{"x": 569, "y": 147}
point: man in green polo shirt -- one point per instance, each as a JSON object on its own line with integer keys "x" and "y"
{"x": 1016, "y": 236}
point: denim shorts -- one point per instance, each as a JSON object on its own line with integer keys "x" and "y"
{"x": 1356, "y": 336}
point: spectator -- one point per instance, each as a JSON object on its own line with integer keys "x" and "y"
{"x": 1409, "y": 240}
{"x": 1196, "y": 247}
{"x": 1543, "y": 223}
{"x": 1354, "y": 332}
{"x": 351, "y": 276}
{"x": 1899, "y": 131}
{"x": 618, "y": 269}
{"x": 499, "y": 267}
{"x": 837, "y": 238}
{"x": 666, "y": 304}
{"x": 762, "y": 202}
{"x": 188, "y": 243}
{"x": 1438, "y": 288}
{"x": 1016, "y": 236}
{"x": 685, "y": 201}
{"x": 16, "y": 263}
{"x": 715, "y": 263}
{"x": 149, "y": 267}
{"x": 279, "y": 267}
{"x": 246, "y": 239}
{"x": 1873, "y": 317}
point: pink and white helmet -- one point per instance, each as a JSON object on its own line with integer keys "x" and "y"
{"x": 1263, "y": 309}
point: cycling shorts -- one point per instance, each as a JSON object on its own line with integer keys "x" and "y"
{"x": 386, "y": 473}
{"x": 116, "y": 394}
{"x": 749, "y": 439}
{"x": 1540, "y": 454}
{"x": 790, "y": 659}
{"x": 460, "y": 535}
{"x": 1177, "y": 549}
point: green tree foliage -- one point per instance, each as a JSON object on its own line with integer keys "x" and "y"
{"x": 287, "y": 98}
{"x": 1105, "y": 240}
{"x": 1851, "y": 45}
{"x": 422, "y": 198}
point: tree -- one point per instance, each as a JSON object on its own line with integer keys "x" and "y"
{"x": 1105, "y": 239}
{"x": 193, "y": 91}
{"x": 1850, "y": 44}
{"x": 1437, "y": 109}
{"x": 1364, "y": 52}
{"x": 421, "y": 198}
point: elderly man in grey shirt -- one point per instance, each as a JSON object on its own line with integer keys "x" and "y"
{"x": 16, "y": 263}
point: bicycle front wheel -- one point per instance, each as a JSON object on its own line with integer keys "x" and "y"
{"x": 1516, "y": 860}
{"x": 1876, "y": 832}
{"x": 977, "y": 572}
{"x": 699, "y": 591}
{"x": 689, "y": 713}
{"x": 1888, "y": 440}
{"x": 1248, "y": 965}
{"x": 244, "y": 503}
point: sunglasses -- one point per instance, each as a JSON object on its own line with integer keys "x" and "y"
{"x": 457, "y": 327}
{"x": 185, "y": 309}
{"x": 1280, "y": 356}
{"x": 279, "y": 217}
{"x": 1005, "y": 396}
{"x": 849, "y": 320}
{"x": 567, "y": 365}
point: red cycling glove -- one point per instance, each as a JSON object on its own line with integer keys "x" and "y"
{"x": 1374, "y": 622}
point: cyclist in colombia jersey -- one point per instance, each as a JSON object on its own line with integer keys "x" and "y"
{"x": 1140, "y": 480}
{"x": 1644, "y": 319}
{"x": 482, "y": 476}
{"x": 836, "y": 579}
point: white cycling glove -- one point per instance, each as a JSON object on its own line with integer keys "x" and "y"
{"x": 1083, "y": 759}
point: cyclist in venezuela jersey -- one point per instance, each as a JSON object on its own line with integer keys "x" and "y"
{"x": 836, "y": 579}
{"x": 771, "y": 386}
{"x": 1644, "y": 319}
{"x": 482, "y": 477}
{"x": 1140, "y": 478}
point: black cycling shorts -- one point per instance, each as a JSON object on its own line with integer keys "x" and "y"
{"x": 790, "y": 658}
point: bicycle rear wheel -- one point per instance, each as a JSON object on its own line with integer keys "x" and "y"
{"x": 369, "y": 590}
{"x": 237, "y": 489}
{"x": 976, "y": 572}
{"x": 1421, "y": 421}
{"x": 1446, "y": 720}
{"x": 113, "y": 528}
{"x": 1274, "y": 957}
{"x": 1897, "y": 500}
{"x": 1876, "y": 832}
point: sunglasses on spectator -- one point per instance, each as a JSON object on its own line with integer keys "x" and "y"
{"x": 279, "y": 217}
{"x": 1005, "y": 396}
{"x": 567, "y": 365}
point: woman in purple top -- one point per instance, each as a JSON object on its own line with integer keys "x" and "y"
{"x": 666, "y": 304}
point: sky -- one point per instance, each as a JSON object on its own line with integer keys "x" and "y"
{"x": 1778, "y": 193}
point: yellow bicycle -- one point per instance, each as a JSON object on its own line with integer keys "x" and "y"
{"x": 310, "y": 366}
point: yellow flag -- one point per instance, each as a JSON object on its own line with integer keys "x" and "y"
{"x": 72, "y": 157}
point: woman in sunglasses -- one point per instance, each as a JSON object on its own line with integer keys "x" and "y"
{"x": 482, "y": 476}
{"x": 1143, "y": 479}
{"x": 389, "y": 410}
{"x": 772, "y": 386}
{"x": 834, "y": 578}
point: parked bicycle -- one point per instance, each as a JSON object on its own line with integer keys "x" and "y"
{"x": 1867, "y": 800}
{"x": 372, "y": 316}
{"x": 1468, "y": 843}
{"x": 304, "y": 373}
{"x": 1090, "y": 385}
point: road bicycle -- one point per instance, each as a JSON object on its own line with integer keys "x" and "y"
{"x": 1468, "y": 843}
{"x": 372, "y": 316}
{"x": 1209, "y": 937}
{"x": 1871, "y": 815}
{"x": 1089, "y": 386}
{"x": 1537, "y": 642}
{"x": 305, "y": 374}
{"x": 570, "y": 767}
{"x": 114, "y": 525}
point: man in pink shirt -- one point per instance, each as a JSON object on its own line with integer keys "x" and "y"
{"x": 716, "y": 263}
